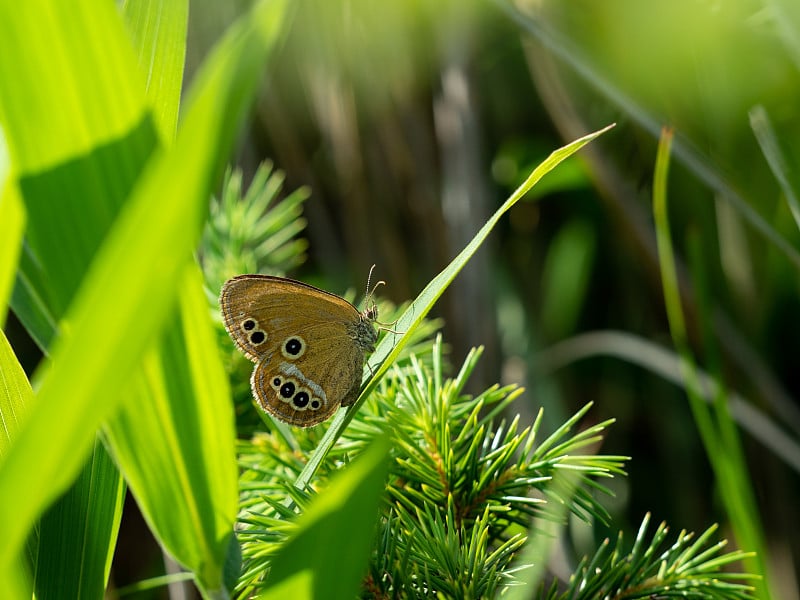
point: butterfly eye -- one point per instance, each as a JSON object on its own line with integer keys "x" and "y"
{"x": 293, "y": 348}
{"x": 287, "y": 390}
{"x": 300, "y": 399}
{"x": 305, "y": 400}
{"x": 254, "y": 334}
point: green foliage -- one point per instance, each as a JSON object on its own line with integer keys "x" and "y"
{"x": 463, "y": 488}
{"x": 686, "y": 568}
{"x": 112, "y": 217}
{"x": 306, "y": 565}
{"x": 466, "y": 483}
{"x": 714, "y": 422}
{"x": 255, "y": 232}
{"x": 463, "y": 483}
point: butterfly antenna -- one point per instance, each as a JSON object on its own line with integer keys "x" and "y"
{"x": 369, "y": 277}
{"x": 371, "y": 291}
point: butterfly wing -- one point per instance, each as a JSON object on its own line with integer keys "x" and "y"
{"x": 308, "y": 345}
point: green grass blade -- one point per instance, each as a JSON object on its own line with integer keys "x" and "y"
{"x": 158, "y": 30}
{"x": 77, "y": 535}
{"x": 71, "y": 108}
{"x": 343, "y": 516}
{"x": 726, "y": 460}
{"x": 175, "y": 443}
{"x": 74, "y": 111}
{"x": 185, "y": 485}
{"x": 391, "y": 345}
{"x": 16, "y": 395}
{"x": 132, "y": 283}
{"x": 776, "y": 158}
{"x": 70, "y": 82}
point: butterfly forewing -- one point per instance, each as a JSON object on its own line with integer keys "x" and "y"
{"x": 253, "y": 303}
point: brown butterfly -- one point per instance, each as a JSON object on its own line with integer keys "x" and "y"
{"x": 308, "y": 345}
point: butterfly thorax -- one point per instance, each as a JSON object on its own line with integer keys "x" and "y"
{"x": 363, "y": 332}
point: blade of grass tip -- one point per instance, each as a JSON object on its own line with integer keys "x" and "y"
{"x": 390, "y": 346}
{"x": 672, "y": 297}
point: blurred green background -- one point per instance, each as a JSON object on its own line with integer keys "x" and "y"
{"x": 411, "y": 121}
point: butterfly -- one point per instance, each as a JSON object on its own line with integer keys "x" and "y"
{"x": 308, "y": 345}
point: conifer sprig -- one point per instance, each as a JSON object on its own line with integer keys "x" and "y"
{"x": 255, "y": 231}
{"x": 688, "y": 568}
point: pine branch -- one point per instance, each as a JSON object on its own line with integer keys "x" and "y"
{"x": 255, "y": 232}
{"x": 465, "y": 482}
{"x": 688, "y": 568}
{"x": 463, "y": 489}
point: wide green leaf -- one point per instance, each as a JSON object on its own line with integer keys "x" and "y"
{"x": 75, "y": 117}
{"x": 77, "y": 535}
{"x": 158, "y": 30}
{"x": 175, "y": 442}
{"x": 16, "y": 396}
{"x": 80, "y": 138}
{"x": 132, "y": 283}
{"x": 75, "y": 201}
{"x": 75, "y": 82}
